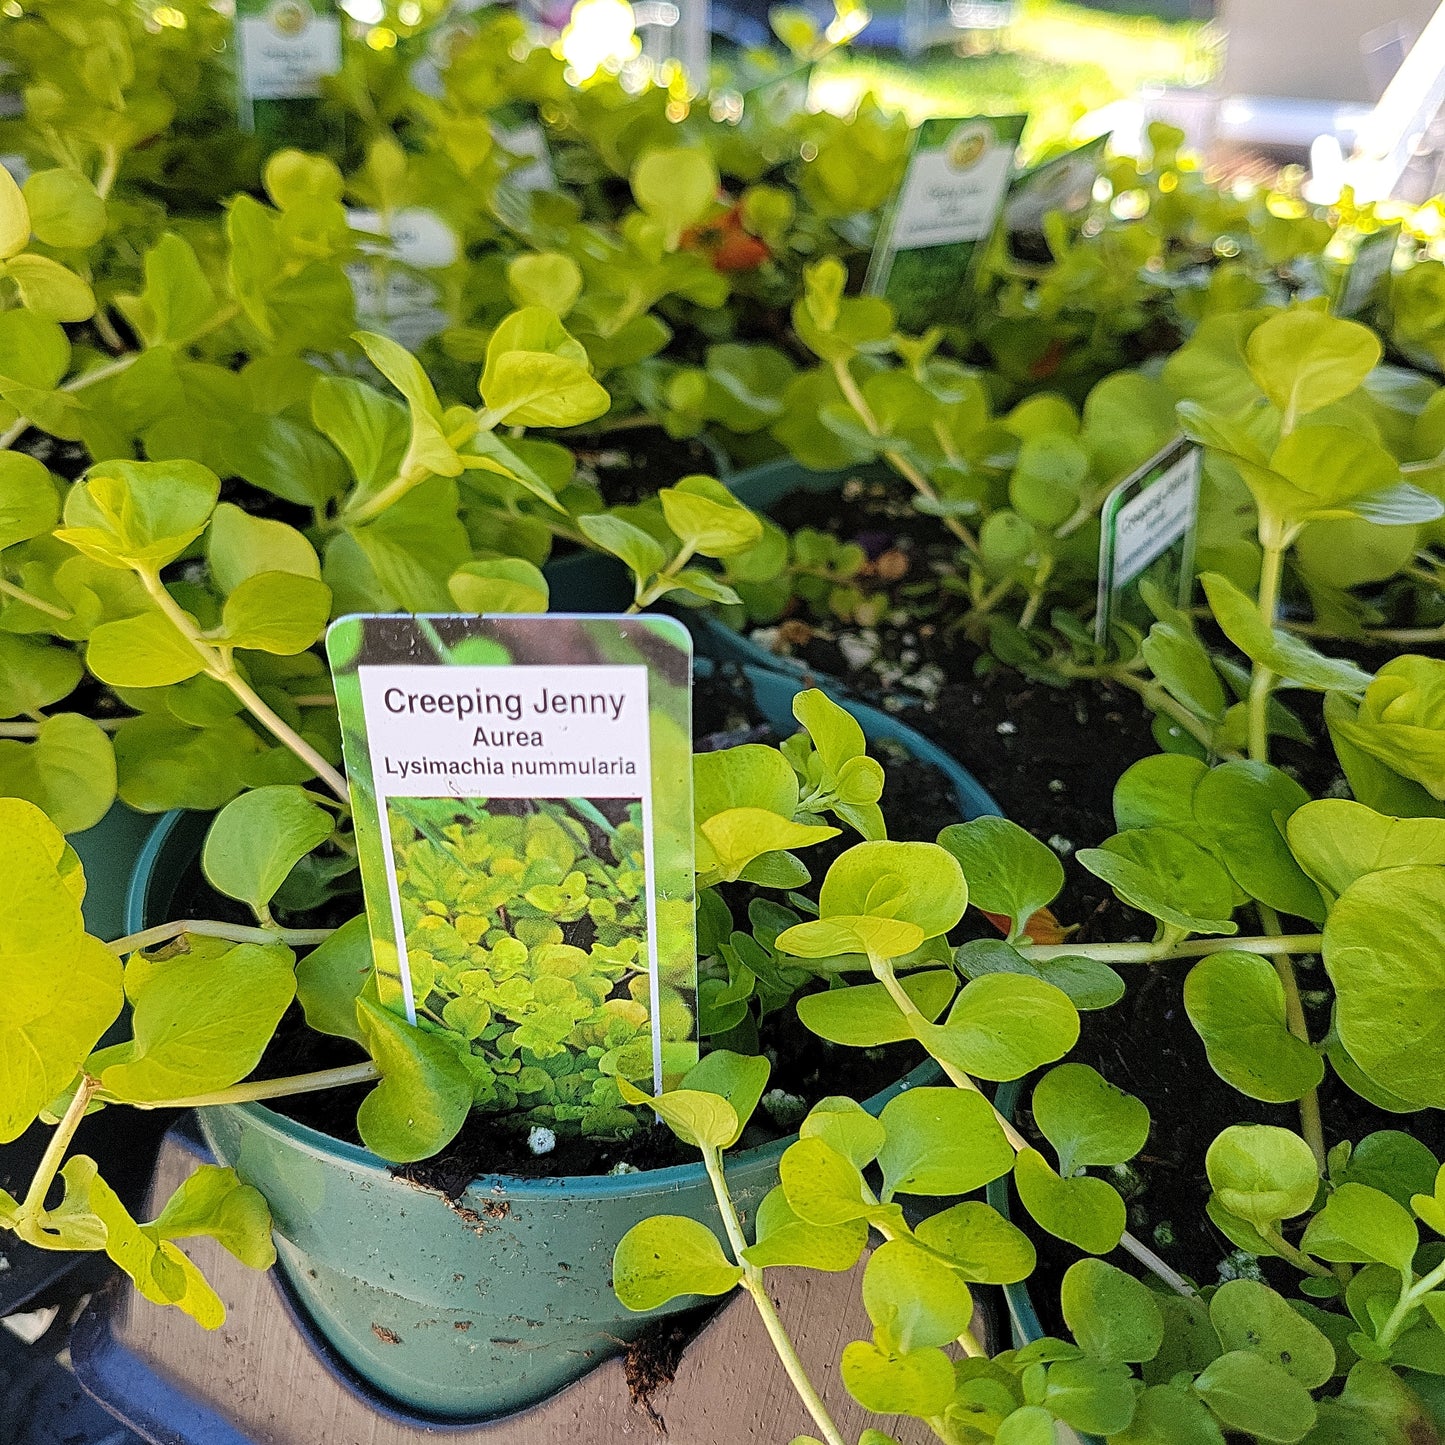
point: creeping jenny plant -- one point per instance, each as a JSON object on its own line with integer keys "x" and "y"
{"x": 523, "y": 1018}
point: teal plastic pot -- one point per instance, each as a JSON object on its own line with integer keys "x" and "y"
{"x": 108, "y": 853}
{"x": 478, "y": 1309}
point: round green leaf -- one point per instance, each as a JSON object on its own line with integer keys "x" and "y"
{"x": 941, "y": 1141}
{"x": 538, "y": 388}
{"x": 1009, "y": 871}
{"x": 139, "y": 515}
{"x": 62, "y": 988}
{"x": 142, "y": 651}
{"x": 425, "y": 1093}
{"x": 65, "y": 211}
{"x": 785, "y": 1239}
{"x": 29, "y": 505}
{"x": 50, "y": 290}
{"x": 1338, "y": 841}
{"x": 1004, "y": 1025}
{"x": 845, "y": 1125}
{"x": 1163, "y": 873}
{"x": 920, "y": 1383}
{"x": 667, "y": 1256}
{"x": 1360, "y": 1225}
{"x": 1170, "y": 1415}
{"x": 1384, "y": 950}
{"x": 499, "y": 584}
{"x": 1244, "y": 807}
{"x": 707, "y": 518}
{"x": 258, "y": 838}
{"x": 1248, "y": 1392}
{"x": 35, "y": 674}
{"x": 1158, "y": 791}
{"x": 14, "y": 218}
{"x": 1236, "y": 1003}
{"x": 1261, "y": 1173}
{"x": 68, "y": 771}
{"x": 1111, "y": 1314}
{"x": 918, "y": 883}
{"x": 1304, "y": 359}
{"x": 980, "y": 1243}
{"x": 697, "y": 1117}
{"x": 240, "y": 546}
{"x": 1087, "y": 1119}
{"x": 201, "y": 1022}
{"x": 1088, "y": 983}
{"x": 675, "y": 187}
{"x": 331, "y": 978}
{"x": 546, "y": 278}
{"x": 1090, "y": 1395}
{"x": 1248, "y": 1315}
{"x": 738, "y": 1078}
{"x": 912, "y": 1303}
{"x": 1086, "y": 1212}
{"x": 821, "y": 1185}
{"x": 276, "y": 612}
{"x": 865, "y": 1016}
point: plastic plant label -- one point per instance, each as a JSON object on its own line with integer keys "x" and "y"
{"x": 949, "y": 203}
{"x": 286, "y": 47}
{"x": 529, "y": 143}
{"x": 395, "y": 294}
{"x": 1368, "y": 279}
{"x": 1063, "y": 185}
{"x": 522, "y": 792}
{"x": 1147, "y": 525}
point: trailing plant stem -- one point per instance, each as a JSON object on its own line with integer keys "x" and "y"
{"x": 51, "y": 1160}
{"x": 752, "y": 1281}
{"x": 1262, "y": 680}
{"x": 220, "y": 665}
{"x": 1311, "y": 1125}
{"x": 1300, "y": 1261}
{"x": 910, "y": 473}
{"x": 254, "y": 1093}
{"x": 221, "y": 318}
{"x": 1270, "y": 947}
{"x": 9, "y": 589}
{"x": 1410, "y": 1296}
{"x": 883, "y": 971}
{"x": 209, "y": 928}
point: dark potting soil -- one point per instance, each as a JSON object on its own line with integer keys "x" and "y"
{"x": 916, "y": 804}
{"x": 628, "y": 466}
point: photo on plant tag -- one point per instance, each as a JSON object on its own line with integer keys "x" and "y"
{"x": 523, "y": 804}
{"x": 525, "y": 921}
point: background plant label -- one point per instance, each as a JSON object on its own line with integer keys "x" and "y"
{"x": 1148, "y": 523}
{"x": 952, "y": 193}
{"x": 522, "y": 789}
{"x": 528, "y": 141}
{"x": 286, "y": 48}
{"x": 1367, "y": 281}
{"x": 1063, "y": 185}
{"x": 395, "y": 294}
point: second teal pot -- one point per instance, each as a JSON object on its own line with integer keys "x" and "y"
{"x": 478, "y": 1308}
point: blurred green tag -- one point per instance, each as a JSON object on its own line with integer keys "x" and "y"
{"x": 947, "y": 207}
{"x": 1147, "y": 528}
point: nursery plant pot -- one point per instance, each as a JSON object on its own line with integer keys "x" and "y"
{"x": 475, "y": 1309}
